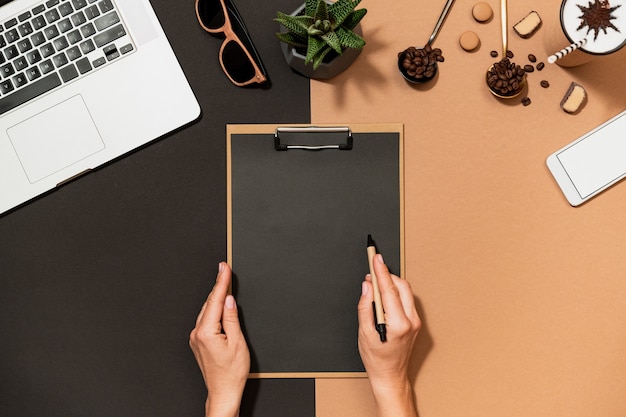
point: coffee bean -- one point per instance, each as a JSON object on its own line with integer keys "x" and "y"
{"x": 540, "y": 66}
{"x": 493, "y": 54}
{"x": 509, "y": 54}
{"x": 526, "y": 101}
{"x": 505, "y": 77}
{"x": 532, "y": 58}
{"x": 529, "y": 68}
{"x": 544, "y": 83}
{"x": 420, "y": 63}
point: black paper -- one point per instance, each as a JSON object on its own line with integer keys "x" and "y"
{"x": 300, "y": 221}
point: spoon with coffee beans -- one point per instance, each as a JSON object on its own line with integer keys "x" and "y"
{"x": 505, "y": 79}
{"x": 419, "y": 65}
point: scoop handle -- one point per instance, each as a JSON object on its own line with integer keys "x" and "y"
{"x": 504, "y": 22}
{"x": 442, "y": 17}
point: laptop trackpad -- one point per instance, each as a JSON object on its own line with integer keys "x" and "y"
{"x": 55, "y": 138}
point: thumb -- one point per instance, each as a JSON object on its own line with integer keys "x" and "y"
{"x": 230, "y": 317}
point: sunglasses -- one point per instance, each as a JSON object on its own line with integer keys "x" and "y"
{"x": 238, "y": 57}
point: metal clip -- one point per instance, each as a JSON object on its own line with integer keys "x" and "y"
{"x": 313, "y": 147}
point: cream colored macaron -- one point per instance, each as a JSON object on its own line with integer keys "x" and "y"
{"x": 469, "y": 40}
{"x": 482, "y": 12}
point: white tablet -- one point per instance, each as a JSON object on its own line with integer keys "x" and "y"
{"x": 591, "y": 163}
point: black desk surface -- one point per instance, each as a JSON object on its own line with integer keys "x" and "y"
{"x": 101, "y": 280}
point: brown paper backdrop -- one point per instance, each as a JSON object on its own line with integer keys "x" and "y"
{"x": 523, "y": 297}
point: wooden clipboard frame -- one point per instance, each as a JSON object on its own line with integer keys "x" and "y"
{"x": 233, "y": 129}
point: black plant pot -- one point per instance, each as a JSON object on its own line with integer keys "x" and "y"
{"x": 325, "y": 70}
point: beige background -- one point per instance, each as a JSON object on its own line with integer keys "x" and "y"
{"x": 523, "y": 297}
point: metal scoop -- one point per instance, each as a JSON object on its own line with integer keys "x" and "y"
{"x": 424, "y": 76}
{"x": 490, "y": 71}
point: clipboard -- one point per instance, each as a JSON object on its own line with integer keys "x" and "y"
{"x": 301, "y": 201}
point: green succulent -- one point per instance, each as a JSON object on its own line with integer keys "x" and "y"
{"x": 323, "y": 28}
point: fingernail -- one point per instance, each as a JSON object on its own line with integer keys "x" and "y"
{"x": 220, "y": 268}
{"x": 364, "y": 288}
{"x": 230, "y": 302}
{"x": 379, "y": 258}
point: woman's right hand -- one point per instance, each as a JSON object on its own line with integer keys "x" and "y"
{"x": 387, "y": 362}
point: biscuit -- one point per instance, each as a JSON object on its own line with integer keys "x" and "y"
{"x": 526, "y": 27}
{"x": 574, "y": 99}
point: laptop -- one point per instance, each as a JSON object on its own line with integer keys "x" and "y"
{"x": 82, "y": 82}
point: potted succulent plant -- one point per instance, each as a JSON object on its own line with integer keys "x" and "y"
{"x": 320, "y": 39}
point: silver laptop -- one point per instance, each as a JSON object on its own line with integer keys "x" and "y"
{"x": 81, "y": 83}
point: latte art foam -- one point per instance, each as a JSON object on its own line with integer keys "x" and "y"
{"x": 605, "y": 32}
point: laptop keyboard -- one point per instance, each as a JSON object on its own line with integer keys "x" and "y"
{"x": 56, "y": 42}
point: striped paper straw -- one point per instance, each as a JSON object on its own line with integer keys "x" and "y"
{"x": 553, "y": 58}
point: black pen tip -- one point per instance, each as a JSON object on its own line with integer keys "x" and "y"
{"x": 370, "y": 241}
{"x": 382, "y": 331}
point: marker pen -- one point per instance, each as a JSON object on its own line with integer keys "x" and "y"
{"x": 379, "y": 313}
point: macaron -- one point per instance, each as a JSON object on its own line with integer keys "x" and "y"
{"x": 482, "y": 12}
{"x": 469, "y": 40}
